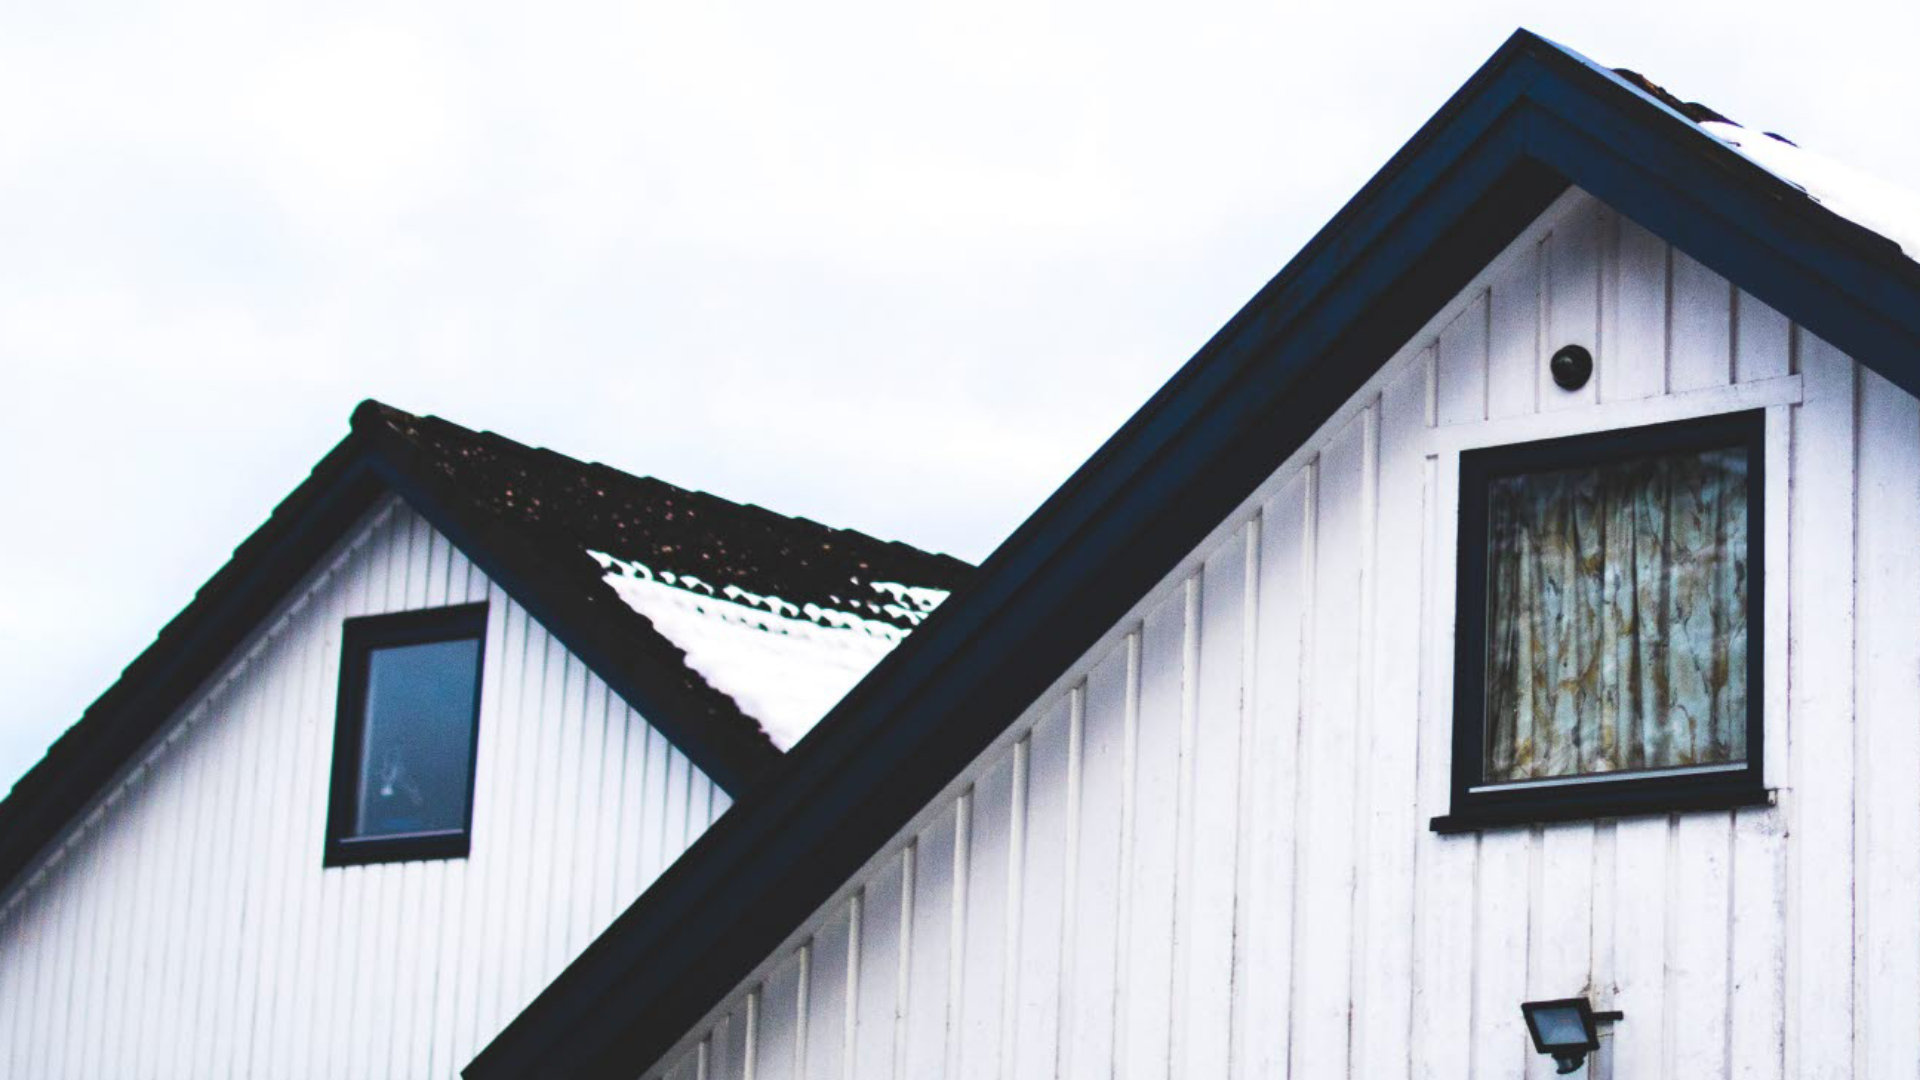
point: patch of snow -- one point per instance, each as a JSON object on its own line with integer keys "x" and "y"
{"x": 785, "y": 665}
{"x": 919, "y": 597}
{"x": 771, "y": 603}
{"x": 688, "y": 581}
{"x": 1865, "y": 199}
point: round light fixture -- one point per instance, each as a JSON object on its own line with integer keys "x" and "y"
{"x": 1572, "y": 366}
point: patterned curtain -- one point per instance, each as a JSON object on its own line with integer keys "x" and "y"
{"x": 1617, "y": 617}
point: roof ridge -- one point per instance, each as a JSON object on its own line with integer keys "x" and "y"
{"x": 377, "y": 416}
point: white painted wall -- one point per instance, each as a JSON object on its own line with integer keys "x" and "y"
{"x": 1205, "y": 853}
{"x": 186, "y": 928}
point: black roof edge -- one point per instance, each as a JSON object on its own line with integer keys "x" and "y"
{"x": 346, "y": 482}
{"x": 1532, "y": 120}
{"x": 183, "y": 655}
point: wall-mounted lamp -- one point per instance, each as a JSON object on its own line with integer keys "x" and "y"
{"x": 1567, "y": 1029}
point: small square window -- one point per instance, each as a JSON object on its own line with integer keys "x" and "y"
{"x": 1609, "y": 638}
{"x": 404, "y": 737}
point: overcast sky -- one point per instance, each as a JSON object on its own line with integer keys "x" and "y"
{"x": 893, "y": 266}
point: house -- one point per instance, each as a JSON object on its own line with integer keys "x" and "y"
{"x": 1515, "y": 602}
{"x": 455, "y": 704}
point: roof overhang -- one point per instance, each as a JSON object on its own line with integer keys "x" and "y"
{"x": 1533, "y": 120}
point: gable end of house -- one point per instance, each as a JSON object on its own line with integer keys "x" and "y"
{"x": 1534, "y": 122}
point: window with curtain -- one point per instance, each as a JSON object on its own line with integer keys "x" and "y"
{"x": 1609, "y": 638}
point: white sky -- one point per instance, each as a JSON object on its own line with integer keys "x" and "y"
{"x": 893, "y": 266}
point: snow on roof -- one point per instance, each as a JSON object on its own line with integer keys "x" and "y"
{"x": 1865, "y": 199}
{"x": 1862, "y": 198}
{"x": 785, "y": 664}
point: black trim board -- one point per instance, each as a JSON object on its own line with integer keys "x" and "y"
{"x": 1534, "y": 119}
{"x": 370, "y": 462}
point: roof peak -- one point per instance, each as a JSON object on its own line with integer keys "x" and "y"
{"x": 1533, "y": 120}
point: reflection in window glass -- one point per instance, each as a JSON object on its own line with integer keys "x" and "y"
{"x": 417, "y": 747}
{"x": 1617, "y": 617}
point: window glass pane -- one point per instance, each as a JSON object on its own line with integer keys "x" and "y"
{"x": 417, "y": 752}
{"x": 1617, "y": 617}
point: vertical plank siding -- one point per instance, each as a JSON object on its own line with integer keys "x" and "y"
{"x": 1205, "y": 852}
{"x": 186, "y": 927}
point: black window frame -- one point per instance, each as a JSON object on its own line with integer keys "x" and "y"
{"x": 360, "y": 636}
{"x": 1602, "y": 795}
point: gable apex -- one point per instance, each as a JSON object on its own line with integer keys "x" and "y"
{"x": 1534, "y": 121}
{"x": 532, "y": 520}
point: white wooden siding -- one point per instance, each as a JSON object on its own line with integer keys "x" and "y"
{"x": 187, "y": 929}
{"x": 1205, "y": 851}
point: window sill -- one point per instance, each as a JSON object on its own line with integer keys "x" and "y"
{"x": 1565, "y": 805}
{"x": 411, "y": 847}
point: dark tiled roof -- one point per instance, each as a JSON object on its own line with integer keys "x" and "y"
{"x": 572, "y": 506}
